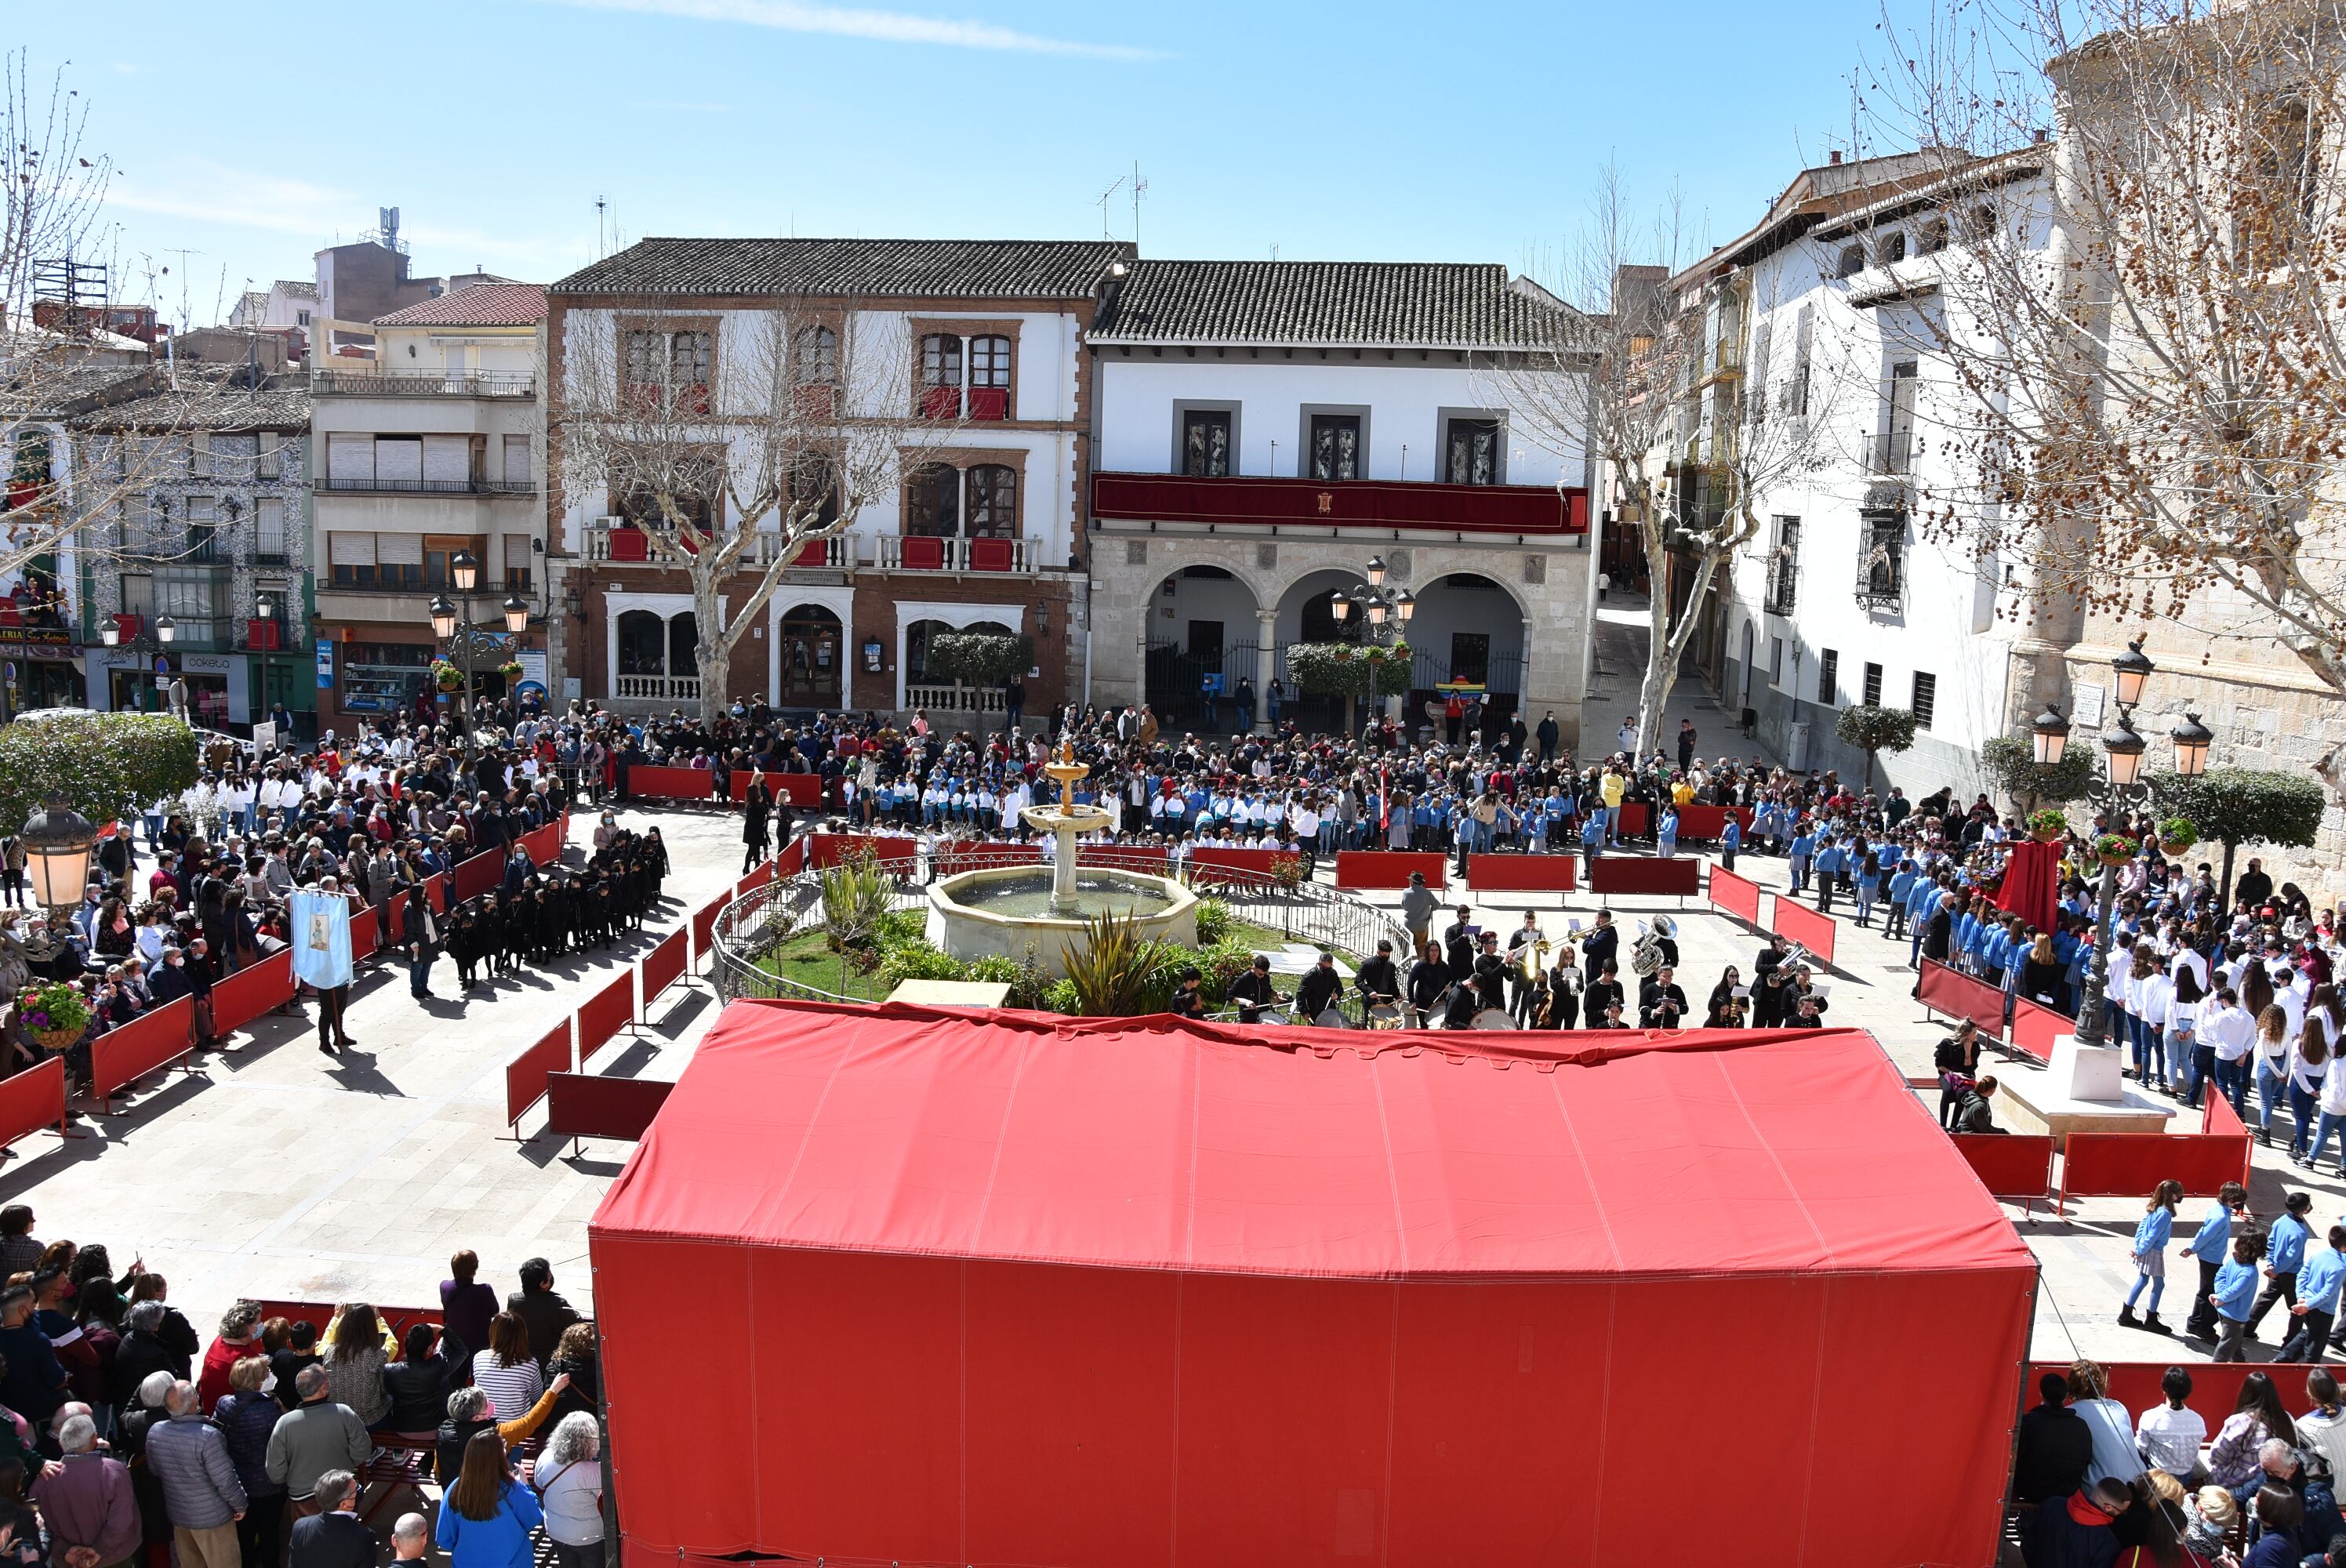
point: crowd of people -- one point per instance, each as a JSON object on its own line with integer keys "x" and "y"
{"x": 200, "y": 888}
{"x": 125, "y": 1439}
{"x": 2096, "y": 1484}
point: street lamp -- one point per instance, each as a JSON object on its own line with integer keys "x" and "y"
{"x": 516, "y": 615}
{"x": 448, "y": 623}
{"x": 265, "y": 609}
{"x": 143, "y": 641}
{"x": 56, "y": 840}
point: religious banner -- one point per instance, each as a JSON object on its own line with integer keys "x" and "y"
{"x": 322, "y": 940}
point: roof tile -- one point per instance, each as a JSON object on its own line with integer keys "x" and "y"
{"x": 1464, "y": 305}
{"x": 974, "y": 269}
{"x": 482, "y": 305}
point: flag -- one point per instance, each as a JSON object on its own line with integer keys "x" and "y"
{"x": 322, "y": 940}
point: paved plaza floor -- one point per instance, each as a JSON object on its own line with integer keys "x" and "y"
{"x": 275, "y": 1171}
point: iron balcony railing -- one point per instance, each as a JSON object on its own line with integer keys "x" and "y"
{"x": 421, "y": 384}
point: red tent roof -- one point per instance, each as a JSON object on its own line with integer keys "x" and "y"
{"x": 1146, "y": 1142}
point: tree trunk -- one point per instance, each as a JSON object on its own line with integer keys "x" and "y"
{"x": 713, "y": 652}
{"x": 1661, "y": 665}
{"x": 1351, "y": 700}
{"x": 2224, "y": 887}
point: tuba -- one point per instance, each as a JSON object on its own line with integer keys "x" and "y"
{"x": 1646, "y": 954}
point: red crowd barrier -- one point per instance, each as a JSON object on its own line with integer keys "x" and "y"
{"x": 604, "y": 1014}
{"x": 2217, "y": 1119}
{"x": 1959, "y": 995}
{"x": 2124, "y": 1164}
{"x": 649, "y": 783}
{"x": 1377, "y": 868}
{"x": 1123, "y": 858}
{"x": 1708, "y": 823}
{"x": 544, "y": 844}
{"x": 526, "y": 1074}
{"x": 2009, "y": 1165}
{"x": 755, "y": 880}
{"x": 250, "y": 993}
{"x": 792, "y": 858}
{"x": 435, "y": 890}
{"x": 1680, "y": 876}
{"x": 1633, "y": 819}
{"x": 2215, "y": 1385}
{"x": 827, "y": 850}
{"x": 1226, "y": 865}
{"x": 32, "y": 1100}
{"x": 121, "y": 1056}
{"x": 581, "y": 1105}
{"x": 802, "y": 789}
{"x": 1793, "y": 920}
{"x": 318, "y": 1314}
{"x": 365, "y": 935}
{"x": 1739, "y": 896}
{"x": 2034, "y": 1028}
{"x": 479, "y": 874}
{"x": 704, "y": 924}
{"x": 1522, "y": 874}
{"x": 664, "y": 966}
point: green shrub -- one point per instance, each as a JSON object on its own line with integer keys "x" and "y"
{"x": 1875, "y": 729}
{"x": 1024, "y": 976}
{"x": 918, "y": 960}
{"x": 1061, "y": 996}
{"x": 1116, "y": 972}
{"x": 106, "y": 765}
{"x": 856, "y": 903}
{"x": 1222, "y": 962}
{"x": 2010, "y": 763}
{"x": 1214, "y": 920}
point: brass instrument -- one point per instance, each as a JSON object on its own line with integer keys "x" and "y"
{"x": 1645, "y": 956}
{"x": 1531, "y": 958}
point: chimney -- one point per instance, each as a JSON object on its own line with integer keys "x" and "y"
{"x": 1833, "y": 156}
{"x": 2041, "y": 135}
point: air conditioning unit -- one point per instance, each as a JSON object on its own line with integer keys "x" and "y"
{"x": 607, "y": 523}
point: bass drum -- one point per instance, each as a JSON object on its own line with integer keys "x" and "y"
{"x": 1330, "y": 1019}
{"x": 1493, "y": 1018}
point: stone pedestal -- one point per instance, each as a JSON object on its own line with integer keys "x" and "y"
{"x": 2087, "y": 1072}
{"x": 2080, "y": 1091}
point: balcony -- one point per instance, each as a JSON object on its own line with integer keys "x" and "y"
{"x": 677, "y": 688}
{"x": 340, "y": 383}
{"x": 619, "y": 545}
{"x": 956, "y": 699}
{"x": 376, "y": 486}
{"x": 1239, "y": 502}
{"x": 1891, "y": 453}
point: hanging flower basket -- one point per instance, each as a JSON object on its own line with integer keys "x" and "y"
{"x": 2047, "y": 827}
{"x": 2115, "y": 848}
{"x": 510, "y": 669}
{"x": 2178, "y": 834}
{"x": 446, "y": 675}
{"x": 54, "y": 1015}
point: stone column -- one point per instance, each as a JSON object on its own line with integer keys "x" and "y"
{"x": 1266, "y": 663}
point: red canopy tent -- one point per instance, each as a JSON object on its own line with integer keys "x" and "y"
{"x": 925, "y": 1285}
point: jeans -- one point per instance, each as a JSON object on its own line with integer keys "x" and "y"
{"x": 2270, "y": 1085}
{"x": 2322, "y": 1131}
{"x": 2302, "y": 1109}
{"x": 2202, "y": 1068}
{"x": 1865, "y": 896}
{"x": 2232, "y": 1082}
{"x": 1799, "y": 873}
{"x": 587, "y": 1556}
{"x": 419, "y": 974}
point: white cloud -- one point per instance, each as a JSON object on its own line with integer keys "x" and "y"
{"x": 200, "y": 189}
{"x": 856, "y": 22}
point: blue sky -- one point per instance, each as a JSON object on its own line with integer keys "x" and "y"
{"x": 1376, "y": 130}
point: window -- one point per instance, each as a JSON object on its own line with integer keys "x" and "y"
{"x": 352, "y": 557}
{"x": 1881, "y": 566}
{"x": 202, "y": 546}
{"x": 399, "y": 462}
{"x": 989, "y": 362}
{"x": 1933, "y": 237}
{"x": 665, "y": 370}
{"x": 269, "y": 529}
{"x": 1873, "y": 686}
{"x": 1852, "y": 262}
{"x": 642, "y": 507}
{"x": 814, "y": 489}
{"x": 993, "y": 502}
{"x": 1756, "y": 384}
{"x": 272, "y": 460}
{"x": 438, "y": 550}
{"x": 196, "y": 598}
{"x": 1926, "y": 699}
{"x": 1796, "y": 390}
{"x": 1827, "y": 676}
{"x": 516, "y": 469}
{"x": 350, "y": 460}
{"x": 1776, "y": 663}
{"x": 1471, "y": 452}
{"x": 1894, "y": 246}
{"x": 1205, "y": 442}
{"x": 1895, "y": 447}
{"x": 814, "y": 356}
{"x": 300, "y": 318}
{"x": 932, "y": 501}
{"x": 940, "y": 395}
{"x": 1784, "y": 567}
{"x": 517, "y": 563}
{"x": 139, "y": 595}
{"x": 1335, "y": 446}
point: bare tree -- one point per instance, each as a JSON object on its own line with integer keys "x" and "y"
{"x": 736, "y": 457}
{"x": 2156, "y": 385}
{"x": 1687, "y": 455}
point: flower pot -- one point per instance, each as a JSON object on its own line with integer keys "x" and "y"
{"x": 2047, "y": 835}
{"x": 54, "y": 1039}
{"x": 2174, "y": 846}
{"x": 2116, "y": 860}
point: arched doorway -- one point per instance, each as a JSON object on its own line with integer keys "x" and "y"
{"x": 813, "y": 652}
{"x": 1468, "y": 632}
{"x": 941, "y": 695}
{"x": 1203, "y": 638}
{"x": 1306, "y": 615}
{"x": 642, "y": 668}
{"x": 683, "y": 658}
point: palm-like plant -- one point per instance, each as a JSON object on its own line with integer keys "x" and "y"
{"x": 1112, "y": 972}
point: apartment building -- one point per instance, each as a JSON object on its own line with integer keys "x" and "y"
{"x": 1273, "y": 434}
{"x": 430, "y": 451}
{"x": 973, "y": 348}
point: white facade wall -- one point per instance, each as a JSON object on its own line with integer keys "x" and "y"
{"x": 1947, "y": 623}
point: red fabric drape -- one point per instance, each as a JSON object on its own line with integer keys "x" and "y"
{"x": 2031, "y": 883}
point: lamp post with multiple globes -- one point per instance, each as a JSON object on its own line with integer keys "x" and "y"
{"x": 452, "y": 623}
{"x": 2125, "y": 790}
{"x": 1384, "y": 613}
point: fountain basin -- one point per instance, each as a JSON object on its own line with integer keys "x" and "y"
{"x": 1004, "y": 910}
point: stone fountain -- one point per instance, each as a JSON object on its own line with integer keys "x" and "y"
{"x": 1006, "y": 910}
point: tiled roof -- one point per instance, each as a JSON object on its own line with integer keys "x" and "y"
{"x": 483, "y": 305}
{"x": 966, "y": 268}
{"x": 206, "y": 401}
{"x": 1416, "y": 304}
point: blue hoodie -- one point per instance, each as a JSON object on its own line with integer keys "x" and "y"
{"x": 2213, "y": 1243}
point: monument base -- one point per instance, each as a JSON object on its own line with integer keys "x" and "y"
{"x": 2035, "y": 1100}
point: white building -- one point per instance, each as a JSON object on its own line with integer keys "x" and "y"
{"x": 431, "y": 449}
{"x": 1264, "y": 429}
{"x": 1831, "y": 307}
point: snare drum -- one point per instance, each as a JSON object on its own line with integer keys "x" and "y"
{"x": 1330, "y": 1019}
{"x": 1385, "y": 1015}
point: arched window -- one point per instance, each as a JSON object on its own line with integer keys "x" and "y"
{"x": 932, "y": 501}
{"x": 993, "y": 502}
{"x": 814, "y": 489}
{"x": 643, "y": 643}
{"x": 989, "y": 362}
{"x": 814, "y": 356}
{"x": 683, "y": 644}
{"x": 940, "y": 391}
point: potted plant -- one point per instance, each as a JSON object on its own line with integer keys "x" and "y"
{"x": 2176, "y": 834}
{"x": 446, "y": 675}
{"x": 55, "y": 1013}
{"x": 2048, "y": 825}
{"x": 510, "y": 669}
{"x": 2114, "y": 849}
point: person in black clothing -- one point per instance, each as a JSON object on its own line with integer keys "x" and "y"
{"x": 2054, "y": 1446}
{"x": 145, "y": 1349}
{"x": 1429, "y": 980}
{"x": 1601, "y": 946}
{"x": 1188, "y": 1001}
{"x": 1465, "y": 1001}
{"x": 1611, "y": 1017}
{"x": 334, "y": 1538}
{"x": 1458, "y": 945}
{"x": 1974, "y": 1115}
{"x": 1957, "y": 1061}
{"x": 577, "y": 1360}
{"x": 1320, "y": 990}
{"x": 1377, "y": 981}
{"x": 1661, "y": 1001}
{"x": 301, "y": 1351}
{"x": 541, "y": 1308}
{"x": 1939, "y": 929}
{"x": 756, "y": 809}
{"x": 1602, "y": 991}
{"x": 420, "y": 1382}
{"x": 1767, "y": 987}
{"x": 1252, "y": 991}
